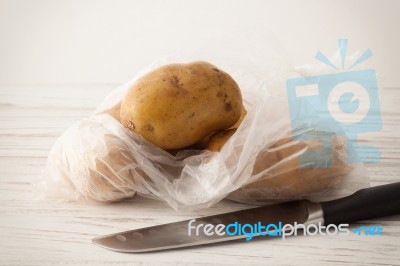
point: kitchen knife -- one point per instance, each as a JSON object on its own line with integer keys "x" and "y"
{"x": 364, "y": 204}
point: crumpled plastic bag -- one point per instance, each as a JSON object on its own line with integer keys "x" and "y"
{"x": 265, "y": 161}
{"x": 97, "y": 158}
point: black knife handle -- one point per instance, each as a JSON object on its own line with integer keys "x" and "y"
{"x": 364, "y": 204}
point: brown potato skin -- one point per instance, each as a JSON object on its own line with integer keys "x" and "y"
{"x": 289, "y": 180}
{"x": 114, "y": 112}
{"x": 177, "y": 105}
{"x": 286, "y": 180}
{"x": 217, "y": 140}
{"x": 108, "y": 180}
{"x": 242, "y": 116}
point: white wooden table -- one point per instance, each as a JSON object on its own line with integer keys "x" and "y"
{"x": 51, "y": 233}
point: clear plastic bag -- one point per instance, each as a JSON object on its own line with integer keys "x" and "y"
{"x": 263, "y": 162}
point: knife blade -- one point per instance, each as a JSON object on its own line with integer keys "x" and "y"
{"x": 364, "y": 204}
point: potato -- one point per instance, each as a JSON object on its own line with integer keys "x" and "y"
{"x": 288, "y": 178}
{"x": 110, "y": 180}
{"x": 94, "y": 163}
{"x": 217, "y": 140}
{"x": 177, "y": 105}
{"x": 242, "y": 116}
{"x": 285, "y": 179}
{"x": 197, "y": 146}
{"x": 114, "y": 112}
